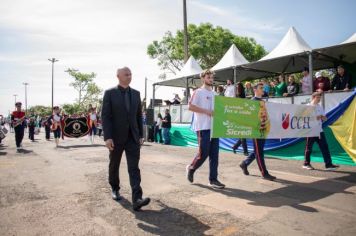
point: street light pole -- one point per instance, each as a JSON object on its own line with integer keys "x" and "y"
{"x": 53, "y": 60}
{"x": 25, "y": 96}
{"x": 185, "y": 31}
{"x": 15, "y": 95}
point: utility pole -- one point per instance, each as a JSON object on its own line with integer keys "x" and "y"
{"x": 53, "y": 60}
{"x": 25, "y": 96}
{"x": 185, "y": 31}
{"x": 145, "y": 93}
{"x": 15, "y": 95}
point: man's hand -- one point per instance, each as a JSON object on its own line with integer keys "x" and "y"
{"x": 109, "y": 144}
{"x": 142, "y": 140}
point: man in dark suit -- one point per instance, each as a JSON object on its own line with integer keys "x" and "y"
{"x": 123, "y": 131}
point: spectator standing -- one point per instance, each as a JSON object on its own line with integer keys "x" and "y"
{"x": 220, "y": 91}
{"x": 281, "y": 88}
{"x": 230, "y": 90}
{"x": 248, "y": 90}
{"x": 306, "y": 81}
{"x": 321, "y": 83}
{"x": 158, "y": 129}
{"x": 342, "y": 80}
{"x": 292, "y": 88}
{"x": 166, "y": 126}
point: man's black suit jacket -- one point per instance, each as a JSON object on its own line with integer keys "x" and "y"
{"x": 115, "y": 125}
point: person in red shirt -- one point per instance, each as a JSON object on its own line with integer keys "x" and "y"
{"x": 321, "y": 84}
{"x": 17, "y": 118}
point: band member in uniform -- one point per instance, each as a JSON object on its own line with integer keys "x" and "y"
{"x": 17, "y": 119}
{"x": 55, "y": 121}
{"x": 31, "y": 128}
{"x": 47, "y": 126}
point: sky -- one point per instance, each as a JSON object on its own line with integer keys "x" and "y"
{"x": 103, "y": 35}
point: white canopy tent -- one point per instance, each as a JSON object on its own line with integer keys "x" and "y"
{"x": 344, "y": 52}
{"x": 185, "y": 76}
{"x": 230, "y": 67}
{"x": 290, "y": 55}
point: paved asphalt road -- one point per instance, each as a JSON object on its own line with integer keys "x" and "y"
{"x": 64, "y": 191}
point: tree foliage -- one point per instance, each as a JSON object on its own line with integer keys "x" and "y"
{"x": 40, "y": 110}
{"x": 88, "y": 91}
{"x": 207, "y": 44}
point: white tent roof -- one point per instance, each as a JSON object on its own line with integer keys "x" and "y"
{"x": 190, "y": 68}
{"x": 350, "y": 40}
{"x": 292, "y": 43}
{"x": 232, "y": 58}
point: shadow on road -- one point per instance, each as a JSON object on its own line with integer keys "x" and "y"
{"x": 81, "y": 146}
{"x": 293, "y": 194}
{"x": 166, "y": 221}
{"x": 25, "y": 151}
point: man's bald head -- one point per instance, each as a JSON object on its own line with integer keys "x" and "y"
{"x": 124, "y": 76}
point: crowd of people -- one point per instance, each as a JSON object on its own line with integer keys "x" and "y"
{"x": 287, "y": 86}
{"x": 20, "y": 123}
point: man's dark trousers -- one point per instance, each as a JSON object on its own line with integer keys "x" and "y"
{"x": 132, "y": 151}
{"x": 324, "y": 148}
{"x": 19, "y": 133}
{"x": 208, "y": 147}
{"x": 258, "y": 153}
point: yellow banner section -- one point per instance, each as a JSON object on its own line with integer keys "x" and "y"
{"x": 344, "y": 130}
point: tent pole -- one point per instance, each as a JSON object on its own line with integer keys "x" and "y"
{"x": 311, "y": 68}
{"x": 187, "y": 92}
{"x": 153, "y": 96}
{"x": 235, "y": 75}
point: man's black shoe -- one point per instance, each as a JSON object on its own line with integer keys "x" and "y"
{"x": 140, "y": 203}
{"x": 244, "y": 168}
{"x": 246, "y": 154}
{"x": 269, "y": 177}
{"x": 190, "y": 174}
{"x": 234, "y": 150}
{"x": 115, "y": 195}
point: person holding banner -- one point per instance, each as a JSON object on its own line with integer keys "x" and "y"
{"x": 123, "y": 131}
{"x": 18, "y": 117}
{"x": 321, "y": 140}
{"x": 258, "y": 144}
{"x": 201, "y": 103}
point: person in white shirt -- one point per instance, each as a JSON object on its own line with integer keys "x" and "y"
{"x": 306, "y": 81}
{"x": 321, "y": 140}
{"x": 158, "y": 129}
{"x": 230, "y": 90}
{"x": 201, "y": 104}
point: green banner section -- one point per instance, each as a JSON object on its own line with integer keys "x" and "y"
{"x": 237, "y": 117}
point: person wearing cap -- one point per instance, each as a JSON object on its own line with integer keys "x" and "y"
{"x": 306, "y": 81}
{"x": 321, "y": 139}
{"x": 17, "y": 119}
{"x": 321, "y": 83}
{"x": 342, "y": 80}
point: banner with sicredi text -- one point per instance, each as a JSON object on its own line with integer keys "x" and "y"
{"x": 244, "y": 118}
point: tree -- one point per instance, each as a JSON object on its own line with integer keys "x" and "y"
{"x": 207, "y": 44}
{"x": 40, "y": 110}
{"x": 88, "y": 91}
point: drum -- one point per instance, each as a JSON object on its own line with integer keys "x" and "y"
{"x": 4, "y": 130}
{"x": 2, "y": 135}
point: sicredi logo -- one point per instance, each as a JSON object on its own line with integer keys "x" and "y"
{"x": 295, "y": 122}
